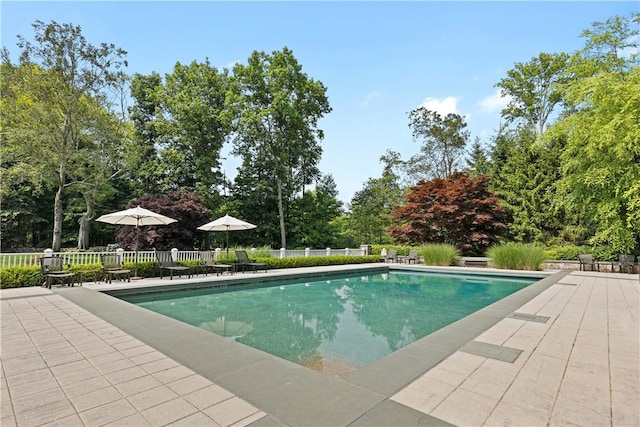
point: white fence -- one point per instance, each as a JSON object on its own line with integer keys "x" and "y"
{"x": 26, "y": 259}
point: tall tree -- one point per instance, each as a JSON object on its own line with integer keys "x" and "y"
{"x": 72, "y": 78}
{"x": 524, "y": 176}
{"x": 101, "y": 162}
{"x": 532, "y": 90}
{"x": 371, "y": 208}
{"x": 253, "y": 198}
{"x": 443, "y": 143}
{"x": 478, "y": 162}
{"x": 601, "y": 161}
{"x": 25, "y": 191}
{"x": 277, "y": 108}
{"x": 196, "y": 126}
{"x": 147, "y": 92}
{"x": 312, "y": 226}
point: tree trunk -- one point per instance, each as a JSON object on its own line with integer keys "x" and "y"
{"x": 283, "y": 235}
{"x": 85, "y": 222}
{"x": 57, "y": 219}
{"x": 56, "y": 245}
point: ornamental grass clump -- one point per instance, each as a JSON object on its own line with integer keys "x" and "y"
{"x": 517, "y": 256}
{"x": 438, "y": 254}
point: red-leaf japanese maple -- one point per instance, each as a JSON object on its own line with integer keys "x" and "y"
{"x": 459, "y": 210}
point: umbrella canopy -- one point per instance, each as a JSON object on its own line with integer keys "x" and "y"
{"x": 227, "y": 223}
{"x": 136, "y": 216}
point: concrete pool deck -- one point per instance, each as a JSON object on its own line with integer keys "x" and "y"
{"x": 564, "y": 351}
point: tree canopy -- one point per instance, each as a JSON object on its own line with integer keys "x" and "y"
{"x": 444, "y": 140}
{"x": 458, "y": 210}
{"x": 61, "y": 96}
{"x": 600, "y": 164}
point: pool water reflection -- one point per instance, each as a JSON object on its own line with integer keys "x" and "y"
{"x": 335, "y": 325}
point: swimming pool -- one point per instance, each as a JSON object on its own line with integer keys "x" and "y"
{"x": 334, "y": 324}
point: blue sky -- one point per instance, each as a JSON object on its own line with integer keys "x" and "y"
{"x": 379, "y": 60}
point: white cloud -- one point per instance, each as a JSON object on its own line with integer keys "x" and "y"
{"x": 448, "y": 105}
{"x": 494, "y": 103}
{"x": 370, "y": 97}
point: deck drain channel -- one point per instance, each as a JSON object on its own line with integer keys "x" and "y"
{"x": 529, "y": 317}
{"x": 492, "y": 351}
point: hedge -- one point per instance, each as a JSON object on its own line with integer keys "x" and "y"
{"x": 313, "y": 261}
{"x": 571, "y": 252}
{"x": 17, "y": 277}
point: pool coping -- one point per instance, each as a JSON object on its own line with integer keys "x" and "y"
{"x": 294, "y": 395}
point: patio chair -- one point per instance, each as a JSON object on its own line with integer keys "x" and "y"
{"x": 53, "y": 269}
{"x": 392, "y": 256}
{"x": 586, "y": 260}
{"x": 413, "y": 257}
{"x": 112, "y": 266}
{"x": 244, "y": 262}
{"x": 208, "y": 261}
{"x": 165, "y": 261}
{"x": 627, "y": 263}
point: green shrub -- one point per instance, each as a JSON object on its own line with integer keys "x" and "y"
{"x": 313, "y": 261}
{"x": 438, "y": 254}
{"x": 16, "y": 277}
{"x": 564, "y": 252}
{"x": 264, "y": 252}
{"x": 145, "y": 269}
{"x": 517, "y": 256}
{"x": 571, "y": 252}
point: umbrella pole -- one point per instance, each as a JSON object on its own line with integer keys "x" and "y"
{"x": 227, "y": 244}
{"x": 135, "y": 265}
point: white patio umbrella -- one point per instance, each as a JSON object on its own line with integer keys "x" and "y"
{"x": 136, "y": 216}
{"x": 227, "y": 223}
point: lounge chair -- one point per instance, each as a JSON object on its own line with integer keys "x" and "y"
{"x": 413, "y": 257}
{"x": 627, "y": 263}
{"x": 165, "y": 261}
{"x": 392, "y": 256}
{"x": 113, "y": 266}
{"x": 586, "y": 261}
{"x": 208, "y": 261}
{"x": 244, "y": 262}
{"x": 53, "y": 268}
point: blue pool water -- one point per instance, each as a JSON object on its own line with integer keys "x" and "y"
{"x": 335, "y": 323}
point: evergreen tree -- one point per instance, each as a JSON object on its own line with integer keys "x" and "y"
{"x": 478, "y": 162}
{"x": 524, "y": 176}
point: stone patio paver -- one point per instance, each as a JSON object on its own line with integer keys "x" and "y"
{"x": 581, "y": 367}
{"x": 64, "y": 366}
